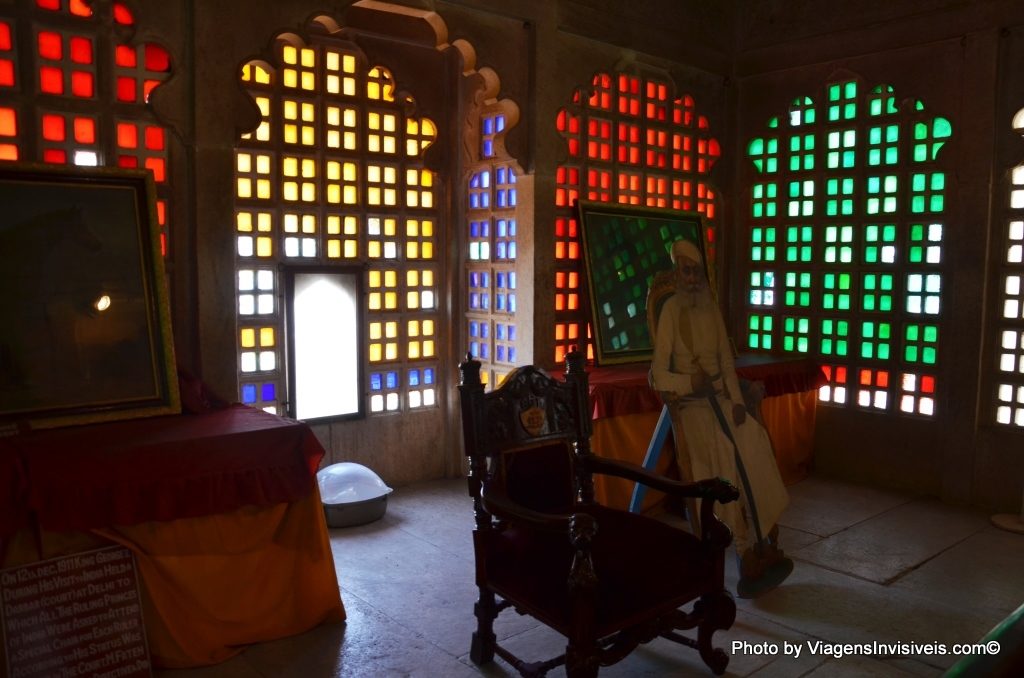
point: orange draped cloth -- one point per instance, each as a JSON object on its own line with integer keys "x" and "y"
{"x": 220, "y": 509}
{"x": 625, "y": 412}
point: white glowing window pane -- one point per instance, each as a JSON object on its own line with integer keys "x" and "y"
{"x": 881, "y": 399}
{"x": 1013, "y": 254}
{"x": 1005, "y": 392}
{"x": 248, "y": 361}
{"x": 245, "y": 246}
{"x": 933, "y": 283}
{"x": 325, "y": 347}
{"x": 935, "y": 232}
{"x": 1010, "y": 308}
{"x": 769, "y": 298}
{"x": 927, "y": 406}
{"x": 308, "y": 247}
{"x": 427, "y": 299}
{"x": 391, "y": 402}
{"x": 1020, "y": 395}
{"x": 474, "y": 251}
{"x": 931, "y": 305}
{"x": 840, "y": 394}
{"x": 1013, "y": 285}
{"x": 914, "y": 283}
{"x": 415, "y": 399}
{"x": 265, "y": 280}
{"x": 1009, "y": 339}
{"x": 1016, "y": 199}
{"x": 914, "y": 304}
{"x": 907, "y": 403}
{"x": 1017, "y": 177}
{"x": 1019, "y": 418}
{"x": 825, "y": 393}
{"x": 1017, "y": 230}
{"x": 377, "y": 403}
{"x": 428, "y": 397}
{"x": 934, "y": 255}
{"x": 272, "y": 409}
{"x": 910, "y": 382}
{"x": 246, "y": 280}
{"x": 390, "y": 250}
{"x": 756, "y": 297}
{"x": 268, "y": 360}
{"x": 86, "y": 159}
{"x": 291, "y": 247}
{"x": 864, "y": 398}
{"x": 246, "y": 304}
{"x": 1003, "y": 414}
{"x": 889, "y": 254}
{"x": 1007, "y": 362}
{"x": 265, "y": 303}
{"x": 485, "y": 250}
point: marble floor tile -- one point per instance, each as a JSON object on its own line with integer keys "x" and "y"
{"x": 823, "y": 506}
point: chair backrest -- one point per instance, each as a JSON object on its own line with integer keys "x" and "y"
{"x": 522, "y": 436}
{"x": 662, "y": 287}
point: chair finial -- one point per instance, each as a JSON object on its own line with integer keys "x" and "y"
{"x": 470, "y": 371}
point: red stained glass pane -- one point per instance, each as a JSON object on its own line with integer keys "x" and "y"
{"x": 124, "y": 56}
{"x": 927, "y": 384}
{"x": 50, "y": 45}
{"x": 129, "y": 161}
{"x": 81, "y": 84}
{"x": 155, "y": 138}
{"x": 8, "y": 152}
{"x": 8, "y": 123}
{"x": 163, "y": 244}
{"x": 5, "y": 36}
{"x": 127, "y": 135}
{"x": 79, "y": 8}
{"x": 122, "y": 15}
{"x": 157, "y": 166}
{"x": 840, "y": 375}
{"x": 865, "y": 377}
{"x": 161, "y": 212}
{"x": 126, "y": 89}
{"x": 81, "y": 50}
{"x": 51, "y": 80}
{"x": 49, "y": 4}
{"x": 157, "y": 59}
{"x": 55, "y": 155}
{"x": 6, "y": 73}
{"x": 85, "y": 130}
{"x": 147, "y": 87}
{"x": 883, "y": 379}
{"x": 53, "y": 128}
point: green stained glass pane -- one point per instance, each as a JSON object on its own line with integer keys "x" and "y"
{"x": 772, "y": 165}
{"x": 875, "y": 135}
{"x": 874, "y": 184}
{"x": 871, "y": 233}
{"x": 805, "y": 253}
{"x": 876, "y": 107}
{"x": 834, "y": 92}
{"x": 850, "y": 111}
{"x": 885, "y": 303}
{"x": 920, "y": 152}
{"x": 867, "y": 330}
{"x": 759, "y": 164}
{"x": 844, "y": 328}
{"x": 889, "y": 233}
{"x": 802, "y": 345}
{"x": 844, "y": 281}
{"x": 809, "y": 116}
{"x": 917, "y": 232}
{"x": 917, "y": 182}
{"x": 868, "y": 301}
{"x": 886, "y": 281}
{"x": 883, "y": 351}
{"x": 850, "y": 90}
{"x": 891, "y": 183}
{"x": 871, "y": 255}
{"x": 757, "y": 211}
{"x": 794, "y": 164}
{"x": 754, "y": 324}
{"x": 917, "y": 204}
{"x": 889, "y": 205}
{"x": 892, "y": 133}
{"x": 918, "y": 105}
{"x": 938, "y": 181}
{"x": 826, "y": 346}
{"x": 773, "y": 146}
{"x": 828, "y": 302}
{"x": 805, "y": 280}
{"x": 755, "y": 253}
{"x": 790, "y": 298}
{"x": 931, "y": 333}
{"x": 928, "y": 355}
{"x": 756, "y": 234}
{"x": 892, "y": 155}
{"x": 847, "y": 233}
{"x": 768, "y": 323}
{"x": 844, "y": 302}
{"x": 790, "y": 325}
{"x": 920, "y": 131}
{"x": 766, "y": 342}
{"x": 916, "y": 255}
{"x": 774, "y": 122}
{"x": 936, "y": 147}
{"x": 769, "y": 254}
{"x": 849, "y": 158}
{"x": 771, "y": 209}
{"x": 805, "y": 298}
{"x": 752, "y": 340}
{"x": 804, "y": 325}
{"x": 869, "y": 281}
{"x": 757, "y": 147}
{"x": 866, "y": 350}
{"x": 827, "y": 326}
{"x": 874, "y": 156}
{"x": 787, "y": 343}
{"x": 942, "y": 128}
{"x": 884, "y": 330}
{"x": 841, "y": 348}
{"x": 913, "y": 332}
{"x": 910, "y": 354}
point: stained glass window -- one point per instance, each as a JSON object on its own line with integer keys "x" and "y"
{"x": 629, "y": 141}
{"x": 333, "y": 173}
{"x": 1009, "y": 335}
{"x": 845, "y": 233}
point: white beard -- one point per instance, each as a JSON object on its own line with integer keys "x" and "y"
{"x": 696, "y": 298}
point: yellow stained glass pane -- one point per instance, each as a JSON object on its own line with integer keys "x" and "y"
{"x": 413, "y": 328}
{"x": 375, "y": 353}
{"x": 309, "y": 223}
{"x": 333, "y": 194}
{"x": 412, "y": 299}
{"x": 333, "y": 249}
{"x": 428, "y": 278}
{"x": 263, "y": 132}
{"x": 390, "y": 226}
{"x": 428, "y": 349}
{"x": 244, "y": 187}
{"x": 412, "y": 278}
{"x": 264, "y": 222}
{"x": 390, "y": 300}
{"x": 412, "y": 199}
{"x": 262, "y": 75}
{"x": 390, "y": 278}
{"x": 412, "y": 228}
{"x": 427, "y": 200}
{"x": 427, "y": 228}
{"x": 390, "y": 175}
{"x": 391, "y": 329}
{"x": 412, "y": 177}
{"x": 309, "y": 192}
{"x": 263, "y": 189}
{"x": 333, "y": 139}
{"x": 412, "y": 148}
{"x": 390, "y": 196}
{"x": 389, "y": 122}
{"x": 333, "y": 224}
{"x": 373, "y": 173}
{"x": 333, "y": 170}
{"x": 248, "y": 337}
{"x": 373, "y": 143}
{"x": 373, "y": 120}
{"x": 427, "y": 251}
{"x": 391, "y": 351}
{"x": 351, "y": 171}
{"x": 264, "y": 247}
{"x": 308, "y": 57}
{"x": 375, "y": 331}
{"x": 308, "y": 112}
{"x": 244, "y": 162}
{"x": 373, "y": 278}
{"x": 289, "y": 54}
{"x": 349, "y": 87}
{"x": 264, "y": 105}
{"x": 372, "y": 90}
{"x": 350, "y": 117}
{"x": 412, "y": 250}
{"x": 351, "y": 249}
{"x": 428, "y": 327}
{"x": 308, "y": 168}
{"x": 373, "y": 301}
{"x": 290, "y": 109}
{"x": 308, "y": 136}
{"x": 348, "y": 63}
{"x": 290, "y": 77}
{"x": 290, "y": 191}
{"x": 262, "y": 164}
{"x": 290, "y": 166}
{"x": 308, "y": 81}
{"x": 333, "y": 84}
{"x": 373, "y": 249}
{"x": 291, "y": 135}
{"x": 413, "y": 349}
{"x": 243, "y": 221}
{"x": 429, "y": 128}
{"x": 389, "y": 145}
{"x": 332, "y": 61}
{"x": 373, "y": 195}
{"x": 351, "y": 195}
{"x": 426, "y": 178}
{"x": 412, "y": 126}
{"x": 350, "y": 225}
{"x": 266, "y": 336}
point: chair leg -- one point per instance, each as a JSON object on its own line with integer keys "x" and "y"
{"x": 719, "y": 612}
{"x": 581, "y": 660}
{"x": 481, "y": 651}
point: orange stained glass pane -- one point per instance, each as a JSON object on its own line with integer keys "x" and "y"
{"x": 51, "y": 46}
{"x": 81, "y": 50}
{"x": 85, "y": 130}
{"x": 122, "y": 14}
{"x": 5, "y": 36}
{"x": 154, "y": 138}
{"x": 6, "y": 73}
{"x": 53, "y": 127}
{"x": 125, "y": 56}
{"x": 158, "y": 167}
{"x": 79, "y": 8}
{"x": 147, "y": 87}
{"x": 882, "y": 379}
{"x": 157, "y": 59}
{"x": 8, "y": 122}
{"x": 82, "y": 84}
{"x": 8, "y": 152}
{"x": 127, "y": 135}
{"x": 865, "y": 377}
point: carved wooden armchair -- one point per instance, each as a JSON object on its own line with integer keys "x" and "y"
{"x": 606, "y": 579}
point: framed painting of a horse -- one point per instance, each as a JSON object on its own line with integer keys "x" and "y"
{"x": 85, "y": 332}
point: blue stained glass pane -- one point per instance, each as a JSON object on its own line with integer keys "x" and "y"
{"x": 511, "y": 332}
{"x": 269, "y": 391}
{"x": 248, "y": 393}
{"x": 488, "y": 149}
{"x": 485, "y": 330}
{"x": 512, "y": 227}
{"x": 474, "y": 329}
{"x": 474, "y": 181}
{"x": 500, "y": 351}
{"x": 375, "y": 381}
{"x": 474, "y": 348}
{"x": 485, "y": 352}
{"x": 511, "y": 176}
{"x": 500, "y": 279}
{"x": 488, "y": 125}
{"x": 474, "y": 200}
{"x": 500, "y": 175}
{"x": 414, "y": 377}
{"x": 499, "y": 331}
{"x": 474, "y": 229}
{"x": 500, "y": 122}
{"x": 428, "y": 375}
{"x": 474, "y": 279}
{"x": 485, "y": 279}
{"x": 502, "y": 199}
{"x": 511, "y": 303}
{"x": 391, "y": 380}
{"x": 511, "y": 250}
{"x": 511, "y": 281}
{"x": 511, "y": 354}
{"x": 511, "y": 197}
{"x": 499, "y": 302}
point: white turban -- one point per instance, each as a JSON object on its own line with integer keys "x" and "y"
{"x": 688, "y": 249}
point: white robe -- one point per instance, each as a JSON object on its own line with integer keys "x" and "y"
{"x": 691, "y": 337}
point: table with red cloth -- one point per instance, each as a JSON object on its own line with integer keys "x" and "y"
{"x": 625, "y": 411}
{"x": 220, "y": 509}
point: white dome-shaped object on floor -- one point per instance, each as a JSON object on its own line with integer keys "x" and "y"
{"x": 352, "y": 494}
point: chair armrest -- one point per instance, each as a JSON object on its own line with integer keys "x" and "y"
{"x": 580, "y": 526}
{"x": 717, "y": 489}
